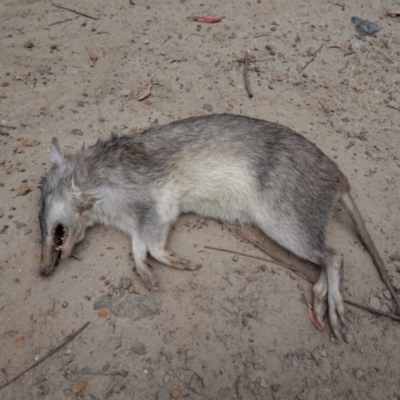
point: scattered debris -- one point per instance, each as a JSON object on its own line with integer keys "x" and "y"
{"x": 93, "y": 57}
{"x": 79, "y": 386}
{"x": 23, "y": 190}
{"x": 208, "y": 19}
{"x": 245, "y": 75}
{"x": 30, "y": 143}
{"x": 77, "y": 132}
{"x": 146, "y": 92}
{"x": 364, "y": 27}
{"x": 51, "y": 352}
{"x": 315, "y": 54}
{"x": 74, "y": 11}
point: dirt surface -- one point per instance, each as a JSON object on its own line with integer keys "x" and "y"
{"x": 238, "y": 328}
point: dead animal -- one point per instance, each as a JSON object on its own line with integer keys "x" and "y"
{"x": 220, "y": 166}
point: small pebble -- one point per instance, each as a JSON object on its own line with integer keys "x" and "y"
{"x": 374, "y": 302}
{"x": 348, "y": 338}
{"x": 23, "y": 190}
{"x": 3, "y": 84}
{"x": 276, "y": 387}
{"x": 29, "y": 44}
{"x": 77, "y": 132}
{"x": 126, "y": 282}
{"x": 64, "y": 304}
{"x": 358, "y": 374}
{"x": 263, "y": 384}
{"x": 387, "y": 294}
{"x": 208, "y": 107}
{"x": 295, "y": 363}
{"x": 79, "y": 386}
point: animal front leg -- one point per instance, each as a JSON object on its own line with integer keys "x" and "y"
{"x": 157, "y": 248}
{"x": 139, "y": 251}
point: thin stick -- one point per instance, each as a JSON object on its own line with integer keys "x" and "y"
{"x": 373, "y": 310}
{"x": 253, "y": 61}
{"x": 394, "y": 108}
{"x": 322, "y": 105}
{"x": 74, "y": 11}
{"x": 60, "y": 22}
{"x": 294, "y": 269}
{"x": 111, "y": 388}
{"x": 251, "y": 241}
{"x": 50, "y": 353}
{"x": 341, "y": 69}
{"x": 246, "y": 78}
{"x": 311, "y": 59}
{"x": 124, "y": 373}
{"x": 309, "y": 279}
{"x": 261, "y": 34}
{"x": 8, "y": 126}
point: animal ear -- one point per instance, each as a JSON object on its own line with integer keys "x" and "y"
{"x": 56, "y": 152}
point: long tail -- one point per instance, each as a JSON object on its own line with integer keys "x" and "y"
{"x": 354, "y": 213}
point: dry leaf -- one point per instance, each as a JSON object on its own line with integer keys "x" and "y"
{"x": 313, "y": 317}
{"x": 93, "y": 56}
{"x": 19, "y": 340}
{"x": 148, "y": 102}
{"x": 134, "y": 128}
{"x": 175, "y": 394}
{"x": 29, "y": 143}
{"x": 45, "y": 109}
{"x": 79, "y": 386}
{"x": 23, "y": 190}
{"x": 35, "y": 256}
{"x": 146, "y": 92}
{"x": 102, "y": 313}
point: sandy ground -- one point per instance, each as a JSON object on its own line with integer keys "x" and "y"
{"x": 238, "y": 328}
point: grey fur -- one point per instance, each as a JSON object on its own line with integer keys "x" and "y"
{"x": 221, "y": 166}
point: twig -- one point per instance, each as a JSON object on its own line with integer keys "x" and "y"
{"x": 74, "y": 11}
{"x": 251, "y": 241}
{"x": 8, "y": 126}
{"x": 237, "y": 389}
{"x": 394, "y": 108}
{"x": 306, "y": 277}
{"x": 294, "y": 269}
{"x": 50, "y": 353}
{"x": 322, "y": 105}
{"x": 349, "y": 53}
{"x": 373, "y": 310}
{"x": 246, "y": 78}
{"x": 111, "y": 388}
{"x": 219, "y": 338}
{"x": 261, "y": 34}
{"x": 123, "y": 373}
{"x": 311, "y": 59}
{"x": 60, "y": 22}
{"x": 252, "y": 61}
{"x": 341, "y": 69}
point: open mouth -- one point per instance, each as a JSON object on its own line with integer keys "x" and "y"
{"x": 58, "y": 240}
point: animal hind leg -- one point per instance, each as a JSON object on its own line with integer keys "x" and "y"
{"x": 331, "y": 262}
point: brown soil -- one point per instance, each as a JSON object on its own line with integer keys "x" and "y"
{"x": 238, "y": 328}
